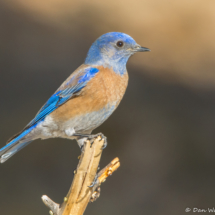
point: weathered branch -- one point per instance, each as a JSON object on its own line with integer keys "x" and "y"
{"x": 80, "y": 193}
{"x": 102, "y": 175}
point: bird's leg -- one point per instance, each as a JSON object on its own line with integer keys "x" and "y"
{"x": 91, "y": 138}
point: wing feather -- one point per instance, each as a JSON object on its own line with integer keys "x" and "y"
{"x": 70, "y": 88}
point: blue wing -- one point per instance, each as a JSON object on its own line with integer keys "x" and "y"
{"x": 70, "y": 88}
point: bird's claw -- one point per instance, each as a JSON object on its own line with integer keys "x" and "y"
{"x": 105, "y": 142}
{"x": 91, "y": 138}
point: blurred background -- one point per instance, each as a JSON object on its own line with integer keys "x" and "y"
{"x": 164, "y": 129}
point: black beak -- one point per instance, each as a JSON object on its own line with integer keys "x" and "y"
{"x": 142, "y": 49}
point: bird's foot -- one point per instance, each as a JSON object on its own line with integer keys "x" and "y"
{"x": 92, "y": 137}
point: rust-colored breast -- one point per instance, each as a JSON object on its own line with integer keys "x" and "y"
{"x": 105, "y": 88}
{"x": 111, "y": 87}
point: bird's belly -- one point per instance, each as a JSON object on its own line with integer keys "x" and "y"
{"x": 82, "y": 124}
{"x": 89, "y": 121}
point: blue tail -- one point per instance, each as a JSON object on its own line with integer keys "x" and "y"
{"x": 14, "y": 145}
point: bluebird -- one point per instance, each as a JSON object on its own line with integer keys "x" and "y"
{"x": 85, "y": 99}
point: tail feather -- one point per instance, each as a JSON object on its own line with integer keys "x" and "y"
{"x": 14, "y": 145}
{"x": 12, "y": 151}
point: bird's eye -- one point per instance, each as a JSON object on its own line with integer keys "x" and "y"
{"x": 120, "y": 44}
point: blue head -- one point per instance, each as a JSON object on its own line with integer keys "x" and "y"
{"x": 113, "y": 50}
